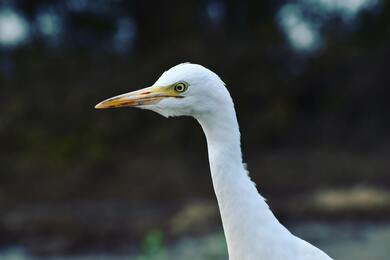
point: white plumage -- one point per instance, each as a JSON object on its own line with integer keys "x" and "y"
{"x": 252, "y": 231}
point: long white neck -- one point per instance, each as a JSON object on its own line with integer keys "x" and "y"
{"x": 250, "y": 228}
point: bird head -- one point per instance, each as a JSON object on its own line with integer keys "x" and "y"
{"x": 184, "y": 90}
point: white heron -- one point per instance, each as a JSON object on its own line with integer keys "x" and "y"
{"x": 252, "y": 231}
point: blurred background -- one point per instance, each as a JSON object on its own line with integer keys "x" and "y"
{"x": 308, "y": 78}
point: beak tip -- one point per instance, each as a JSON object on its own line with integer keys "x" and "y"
{"x": 99, "y": 106}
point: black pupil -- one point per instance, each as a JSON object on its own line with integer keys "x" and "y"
{"x": 179, "y": 87}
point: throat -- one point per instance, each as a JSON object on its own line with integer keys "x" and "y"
{"x": 246, "y": 218}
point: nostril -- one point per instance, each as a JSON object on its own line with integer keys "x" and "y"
{"x": 145, "y": 93}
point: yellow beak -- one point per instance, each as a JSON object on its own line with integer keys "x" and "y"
{"x": 146, "y": 96}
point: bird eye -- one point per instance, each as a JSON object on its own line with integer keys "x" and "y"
{"x": 180, "y": 87}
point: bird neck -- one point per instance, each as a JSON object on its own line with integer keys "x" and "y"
{"x": 247, "y": 220}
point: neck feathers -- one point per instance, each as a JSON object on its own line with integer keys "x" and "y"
{"x": 247, "y": 220}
